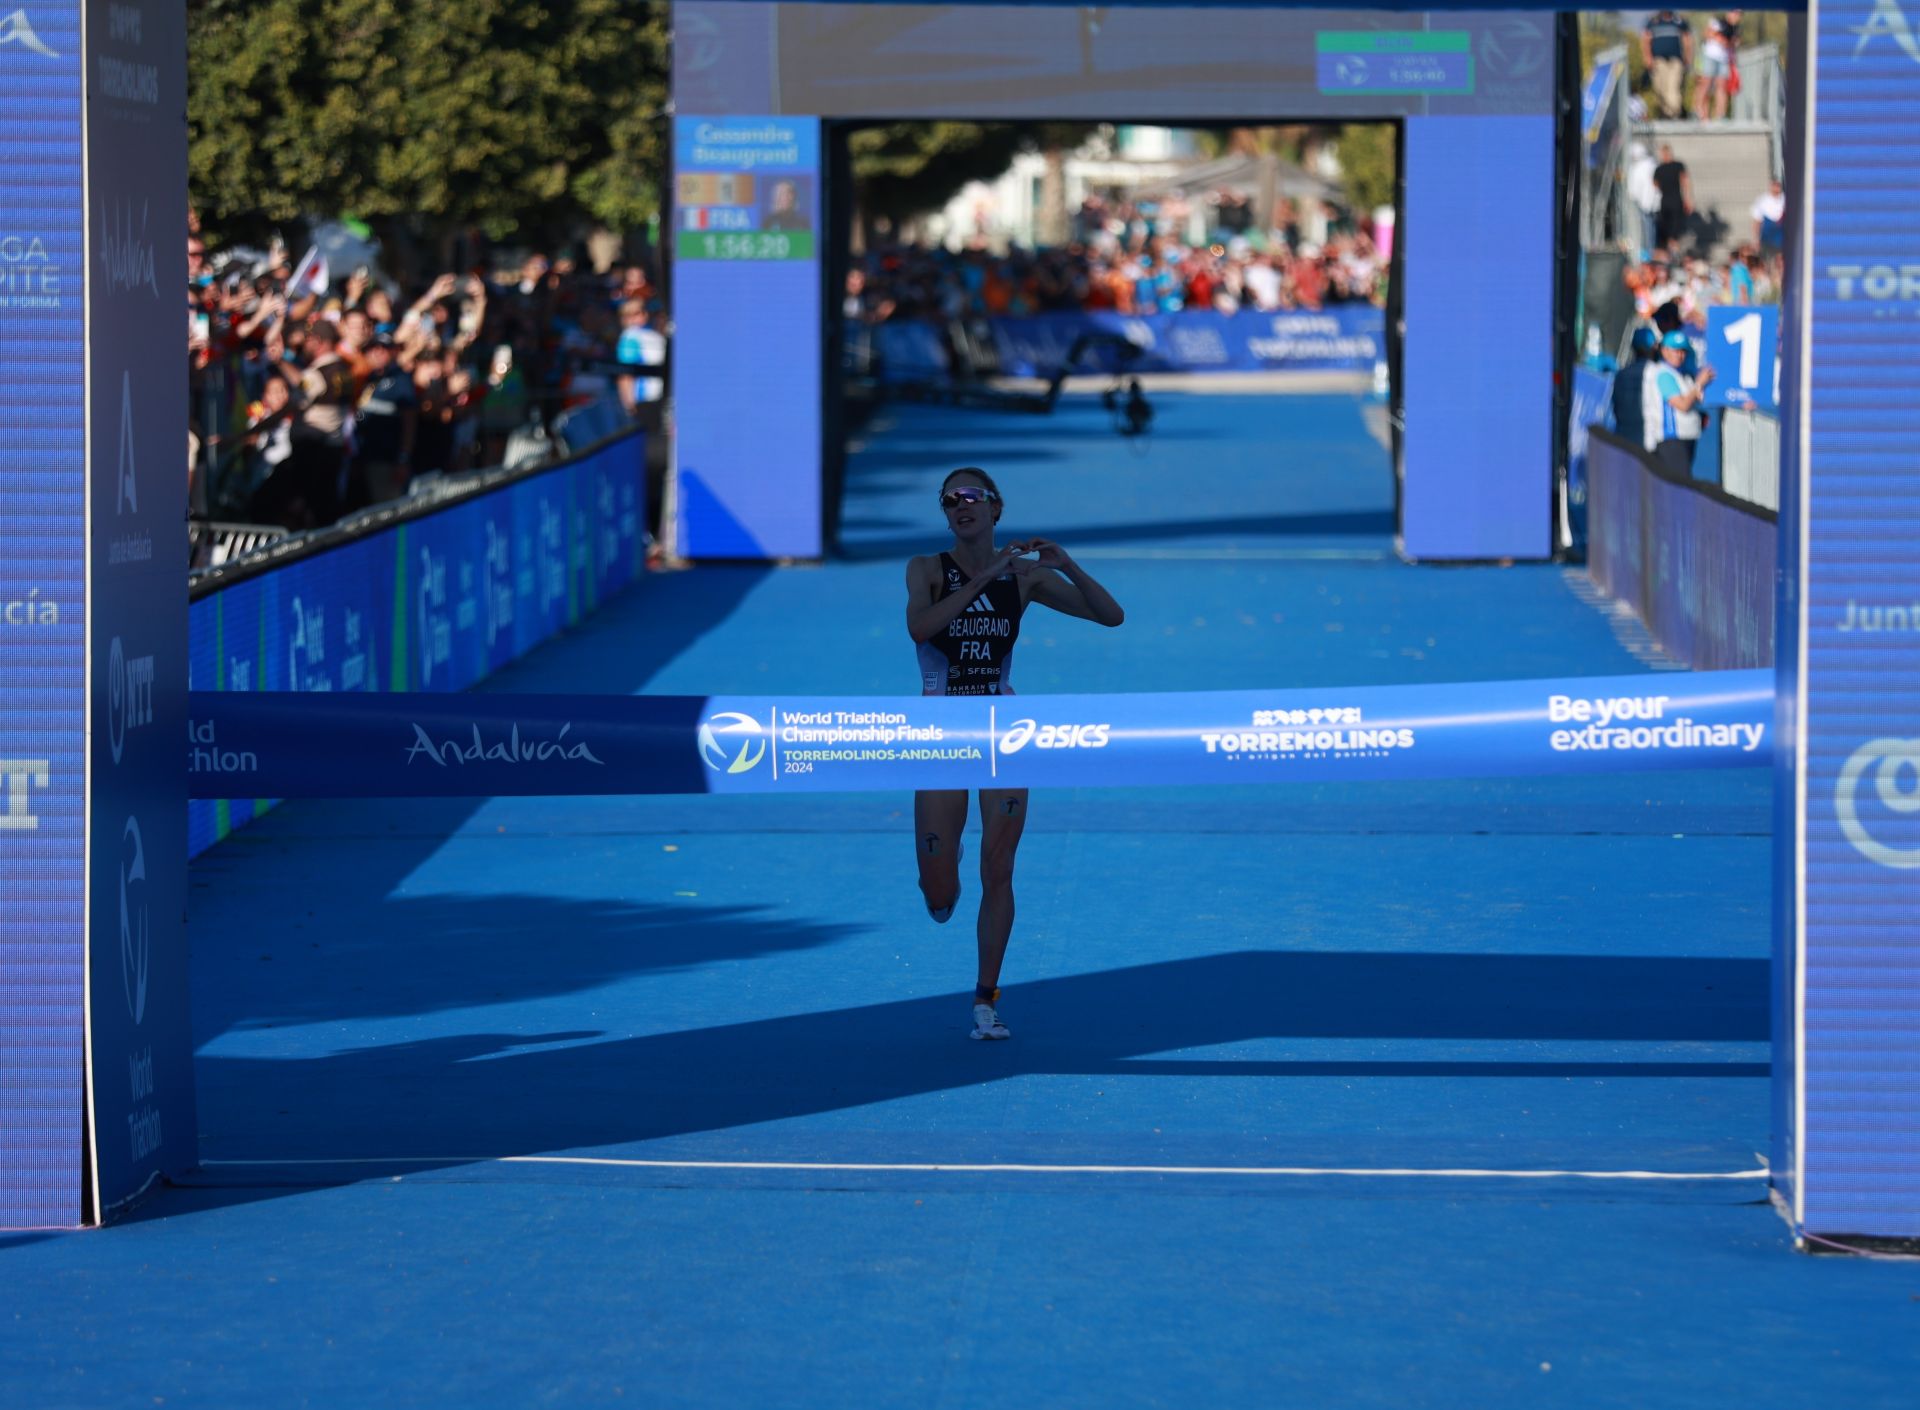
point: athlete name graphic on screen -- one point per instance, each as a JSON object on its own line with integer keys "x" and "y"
{"x": 745, "y": 189}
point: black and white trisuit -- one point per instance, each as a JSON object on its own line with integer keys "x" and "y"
{"x": 974, "y": 654}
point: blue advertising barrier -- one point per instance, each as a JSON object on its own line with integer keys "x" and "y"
{"x": 1345, "y": 338}
{"x": 1592, "y": 406}
{"x": 911, "y": 350}
{"x": 1695, "y": 564}
{"x": 441, "y": 746}
{"x": 433, "y": 603}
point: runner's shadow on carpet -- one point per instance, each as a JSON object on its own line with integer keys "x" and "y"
{"x": 451, "y": 1099}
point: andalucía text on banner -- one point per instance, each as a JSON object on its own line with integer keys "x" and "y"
{"x": 396, "y": 746}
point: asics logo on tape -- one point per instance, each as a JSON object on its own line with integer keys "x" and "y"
{"x": 1893, "y": 763}
{"x": 1021, "y": 733}
{"x": 731, "y": 742}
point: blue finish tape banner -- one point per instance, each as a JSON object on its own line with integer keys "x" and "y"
{"x": 1592, "y": 406}
{"x": 447, "y": 746}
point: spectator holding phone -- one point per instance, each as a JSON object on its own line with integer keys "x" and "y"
{"x": 323, "y": 430}
{"x": 641, "y": 345}
{"x": 1671, "y": 401}
{"x": 388, "y": 416}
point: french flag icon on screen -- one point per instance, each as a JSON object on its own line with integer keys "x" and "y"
{"x": 717, "y": 218}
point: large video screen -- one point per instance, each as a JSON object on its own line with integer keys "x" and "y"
{"x": 1107, "y": 62}
{"x": 746, "y": 362}
{"x": 43, "y": 620}
{"x": 757, "y": 87}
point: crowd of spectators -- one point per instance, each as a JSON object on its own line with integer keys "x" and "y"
{"x": 1672, "y": 283}
{"x": 1659, "y": 387}
{"x": 309, "y": 403}
{"x": 1125, "y": 257}
{"x": 1672, "y": 54}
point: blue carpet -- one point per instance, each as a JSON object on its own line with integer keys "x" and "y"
{"x": 1521, "y": 974}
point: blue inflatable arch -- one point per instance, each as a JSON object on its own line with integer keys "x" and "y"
{"x": 96, "y": 1086}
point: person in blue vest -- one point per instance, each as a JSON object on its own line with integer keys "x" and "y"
{"x": 1671, "y": 404}
{"x": 1629, "y": 383}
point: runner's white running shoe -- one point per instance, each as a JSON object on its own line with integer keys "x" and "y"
{"x": 987, "y": 1024}
{"x": 945, "y": 913}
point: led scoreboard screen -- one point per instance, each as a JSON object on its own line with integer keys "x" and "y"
{"x": 746, "y": 216}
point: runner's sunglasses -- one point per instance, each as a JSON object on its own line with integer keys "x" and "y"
{"x": 967, "y": 494}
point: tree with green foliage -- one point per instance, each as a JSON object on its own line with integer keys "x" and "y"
{"x": 1366, "y": 155}
{"x": 905, "y": 169}
{"x": 523, "y": 118}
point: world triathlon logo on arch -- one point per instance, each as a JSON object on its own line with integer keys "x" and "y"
{"x": 1876, "y": 820}
{"x": 732, "y": 743}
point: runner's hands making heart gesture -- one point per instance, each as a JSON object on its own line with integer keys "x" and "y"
{"x": 1049, "y": 554}
{"x": 1012, "y": 559}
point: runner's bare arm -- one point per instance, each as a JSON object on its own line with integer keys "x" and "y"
{"x": 1070, "y": 588}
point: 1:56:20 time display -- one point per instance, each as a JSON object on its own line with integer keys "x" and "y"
{"x": 748, "y": 244}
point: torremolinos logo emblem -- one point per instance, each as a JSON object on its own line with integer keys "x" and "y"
{"x": 1889, "y": 759}
{"x": 731, "y": 742}
{"x": 135, "y": 938}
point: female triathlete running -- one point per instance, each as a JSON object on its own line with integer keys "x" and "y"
{"x": 963, "y": 613}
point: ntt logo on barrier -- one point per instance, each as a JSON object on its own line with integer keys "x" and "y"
{"x": 731, "y": 742}
{"x": 1021, "y": 733}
